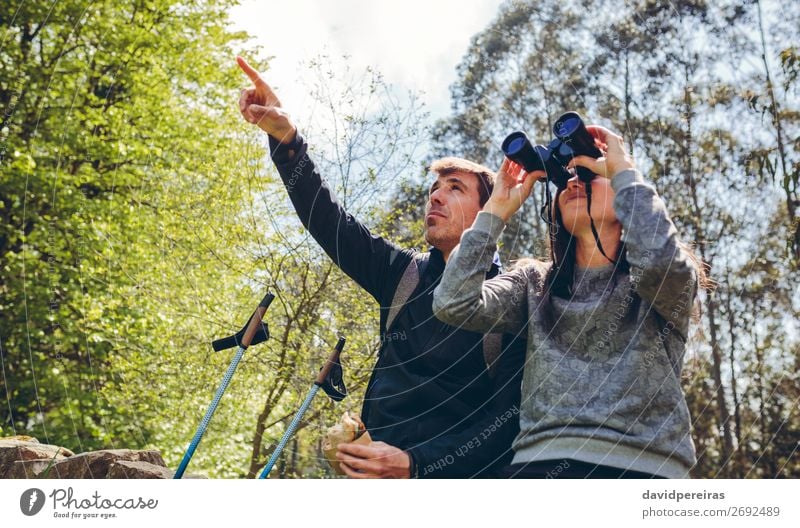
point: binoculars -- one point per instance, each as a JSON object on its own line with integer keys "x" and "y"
{"x": 571, "y": 139}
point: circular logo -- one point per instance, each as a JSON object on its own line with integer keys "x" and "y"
{"x": 31, "y": 501}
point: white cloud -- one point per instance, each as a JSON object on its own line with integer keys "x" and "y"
{"x": 416, "y": 44}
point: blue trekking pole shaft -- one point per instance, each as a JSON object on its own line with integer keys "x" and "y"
{"x": 321, "y": 380}
{"x": 289, "y": 431}
{"x": 250, "y": 332}
{"x": 210, "y": 412}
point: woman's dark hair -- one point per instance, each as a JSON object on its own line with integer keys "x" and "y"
{"x": 563, "y": 255}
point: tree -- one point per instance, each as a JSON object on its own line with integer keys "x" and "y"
{"x": 100, "y": 156}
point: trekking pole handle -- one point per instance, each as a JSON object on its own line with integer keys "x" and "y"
{"x": 255, "y": 321}
{"x": 332, "y": 360}
{"x": 266, "y": 301}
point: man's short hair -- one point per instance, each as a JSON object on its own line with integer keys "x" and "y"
{"x": 486, "y": 176}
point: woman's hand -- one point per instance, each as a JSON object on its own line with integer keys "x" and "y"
{"x": 511, "y": 187}
{"x": 615, "y": 156}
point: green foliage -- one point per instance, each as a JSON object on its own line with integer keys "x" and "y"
{"x": 142, "y": 219}
{"x": 119, "y": 189}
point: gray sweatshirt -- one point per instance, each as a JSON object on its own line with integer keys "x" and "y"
{"x": 603, "y": 384}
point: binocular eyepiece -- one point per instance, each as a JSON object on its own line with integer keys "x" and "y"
{"x": 571, "y": 139}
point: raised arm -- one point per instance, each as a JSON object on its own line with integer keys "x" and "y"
{"x": 466, "y": 300}
{"x": 366, "y": 258}
{"x": 661, "y": 269}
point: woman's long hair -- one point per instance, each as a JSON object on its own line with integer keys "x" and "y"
{"x": 563, "y": 254}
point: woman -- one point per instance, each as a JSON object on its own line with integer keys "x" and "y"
{"x": 601, "y": 394}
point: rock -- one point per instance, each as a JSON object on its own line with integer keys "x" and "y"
{"x": 126, "y": 469}
{"x": 13, "y": 450}
{"x": 96, "y": 464}
{"x": 29, "y": 469}
{"x": 24, "y": 457}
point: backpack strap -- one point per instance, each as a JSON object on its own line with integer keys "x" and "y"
{"x": 405, "y": 288}
{"x": 492, "y": 348}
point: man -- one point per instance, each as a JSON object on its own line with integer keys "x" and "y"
{"x": 431, "y": 406}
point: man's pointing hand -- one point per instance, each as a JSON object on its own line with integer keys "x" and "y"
{"x": 259, "y": 105}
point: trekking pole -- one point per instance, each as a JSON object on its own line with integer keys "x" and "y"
{"x": 254, "y": 332}
{"x": 331, "y": 381}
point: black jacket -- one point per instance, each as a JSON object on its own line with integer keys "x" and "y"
{"x": 430, "y": 393}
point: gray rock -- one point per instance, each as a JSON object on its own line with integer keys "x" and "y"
{"x": 142, "y": 470}
{"x": 96, "y": 464}
{"x": 22, "y": 469}
{"x": 126, "y": 469}
{"x": 14, "y": 449}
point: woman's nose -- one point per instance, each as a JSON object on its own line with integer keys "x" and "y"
{"x": 573, "y": 182}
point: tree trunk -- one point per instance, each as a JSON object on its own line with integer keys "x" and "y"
{"x": 738, "y": 466}
{"x": 697, "y": 219}
{"x": 788, "y": 181}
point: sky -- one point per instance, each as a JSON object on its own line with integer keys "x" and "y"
{"x": 415, "y": 44}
